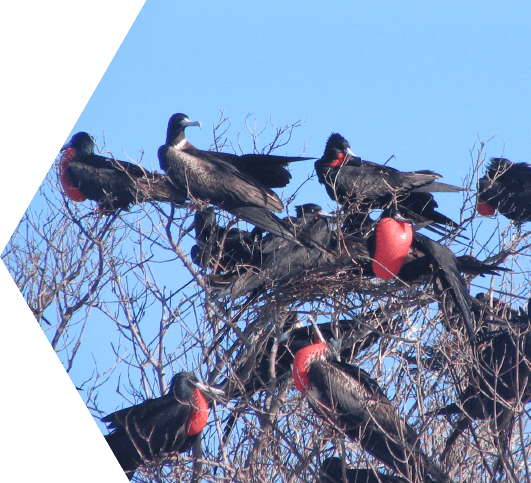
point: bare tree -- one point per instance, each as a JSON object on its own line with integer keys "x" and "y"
{"x": 125, "y": 307}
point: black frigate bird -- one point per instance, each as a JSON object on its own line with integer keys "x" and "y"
{"x": 347, "y": 398}
{"x": 332, "y": 472}
{"x": 113, "y": 184}
{"x": 499, "y": 380}
{"x": 364, "y": 185}
{"x": 506, "y": 187}
{"x": 491, "y": 312}
{"x": 291, "y": 341}
{"x": 273, "y": 359}
{"x": 280, "y": 261}
{"x": 221, "y": 249}
{"x": 158, "y": 427}
{"x": 428, "y": 257}
{"x": 240, "y": 185}
{"x": 381, "y": 251}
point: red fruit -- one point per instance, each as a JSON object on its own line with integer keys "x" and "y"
{"x": 484, "y": 209}
{"x": 199, "y": 415}
{"x": 393, "y": 240}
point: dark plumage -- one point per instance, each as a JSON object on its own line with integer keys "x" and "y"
{"x": 430, "y": 257}
{"x": 332, "y": 472}
{"x": 240, "y": 185}
{"x": 281, "y": 261}
{"x": 506, "y": 187}
{"x": 493, "y": 311}
{"x": 346, "y": 397}
{"x": 292, "y": 341}
{"x": 113, "y": 184}
{"x": 256, "y": 374}
{"x": 221, "y": 249}
{"x": 158, "y": 427}
{"x": 499, "y": 380}
{"x": 364, "y": 185}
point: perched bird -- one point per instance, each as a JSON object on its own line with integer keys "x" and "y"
{"x": 386, "y": 245}
{"x": 493, "y": 312}
{"x": 240, "y": 185}
{"x": 221, "y": 249}
{"x": 347, "y": 398}
{"x": 158, "y": 427}
{"x": 272, "y": 359}
{"x": 364, "y": 185}
{"x": 294, "y": 339}
{"x": 332, "y": 472}
{"x": 506, "y": 187}
{"x": 425, "y": 258}
{"x": 499, "y": 381}
{"x": 281, "y": 261}
{"x": 428, "y": 257}
{"x": 113, "y": 184}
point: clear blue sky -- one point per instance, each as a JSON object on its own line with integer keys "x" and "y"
{"x": 415, "y": 79}
{"x": 392, "y": 77}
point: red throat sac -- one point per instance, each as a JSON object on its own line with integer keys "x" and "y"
{"x": 338, "y": 161}
{"x": 73, "y": 193}
{"x": 302, "y": 361}
{"x": 484, "y": 209}
{"x": 199, "y": 415}
{"x": 393, "y": 240}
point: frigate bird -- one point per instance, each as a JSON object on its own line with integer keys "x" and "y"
{"x": 272, "y": 359}
{"x": 222, "y": 249}
{"x": 425, "y": 258}
{"x": 428, "y": 257}
{"x": 158, "y": 427}
{"x": 346, "y": 397}
{"x": 506, "y": 187}
{"x": 363, "y": 185}
{"x": 280, "y": 261}
{"x": 240, "y": 185}
{"x": 113, "y": 184}
{"x": 499, "y": 380}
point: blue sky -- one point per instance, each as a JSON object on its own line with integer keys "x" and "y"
{"x": 417, "y": 83}
{"x": 415, "y": 79}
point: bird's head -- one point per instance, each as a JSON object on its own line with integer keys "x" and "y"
{"x": 311, "y": 210}
{"x": 176, "y": 126}
{"x": 338, "y": 152}
{"x": 82, "y": 142}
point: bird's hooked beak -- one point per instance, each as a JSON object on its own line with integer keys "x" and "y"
{"x": 209, "y": 390}
{"x": 187, "y": 123}
{"x": 325, "y": 214}
{"x": 416, "y": 227}
{"x": 395, "y": 214}
{"x": 350, "y": 153}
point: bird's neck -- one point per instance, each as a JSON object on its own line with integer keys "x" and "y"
{"x": 177, "y": 140}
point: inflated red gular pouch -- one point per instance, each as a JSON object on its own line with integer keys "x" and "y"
{"x": 199, "y": 414}
{"x": 73, "y": 193}
{"x": 484, "y": 209}
{"x": 392, "y": 242}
